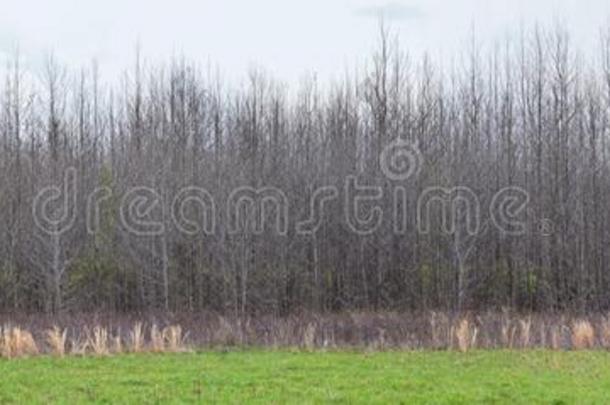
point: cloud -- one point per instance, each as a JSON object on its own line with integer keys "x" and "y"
{"x": 391, "y": 11}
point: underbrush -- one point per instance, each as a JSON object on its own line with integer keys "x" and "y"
{"x": 103, "y": 335}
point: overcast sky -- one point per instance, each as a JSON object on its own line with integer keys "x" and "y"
{"x": 287, "y": 38}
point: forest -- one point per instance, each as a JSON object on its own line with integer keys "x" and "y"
{"x": 80, "y": 157}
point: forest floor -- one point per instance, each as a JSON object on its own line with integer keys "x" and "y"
{"x": 284, "y": 376}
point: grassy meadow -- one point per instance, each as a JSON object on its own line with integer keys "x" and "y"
{"x": 284, "y": 376}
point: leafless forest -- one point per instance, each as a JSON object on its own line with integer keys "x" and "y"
{"x": 532, "y": 114}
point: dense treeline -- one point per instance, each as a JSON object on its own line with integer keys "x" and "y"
{"x": 532, "y": 114}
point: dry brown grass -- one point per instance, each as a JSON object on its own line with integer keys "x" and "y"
{"x": 136, "y": 338}
{"x": 555, "y": 337}
{"x": 505, "y": 327}
{"x": 17, "y": 342}
{"x": 157, "y": 341}
{"x": 526, "y": 329}
{"x": 441, "y": 330}
{"x": 604, "y": 332}
{"x": 542, "y": 332}
{"x": 56, "y": 339}
{"x": 437, "y": 331}
{"x": 98, "y": 341}
{"x": 78, "y": 346}
{"x": 583, "y": 335}
{"x": 174, "y": 339}
{"x": 309, "y": 336}
{"x": 226, "y": 333}
{"x": 117, "y": 344}
{"x": 466, "y": 335}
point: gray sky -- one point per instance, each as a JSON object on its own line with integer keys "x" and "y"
{"x": 285, "y": 37}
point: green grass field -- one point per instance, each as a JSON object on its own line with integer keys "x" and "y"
{"x": 319, "y": 377}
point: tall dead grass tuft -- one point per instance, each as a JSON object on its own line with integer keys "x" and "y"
{"x": 440, "y": 330}
{"x": 466, "y": 335}
{"x": 98, "y": 341}
{"x": 526, "y": 329}
{"x": 226, "y": 334}
{"x": 136, "y": 338}
{"x": 79, "y": 346}
{"x": 117, "y": 343}
{"x": 506, "y": 328}
{"x": 17, "y": 342}
{"x": 309, "y": 336}
{"x": 604, "y": 332}
{"x": 56, "y": 339}
{"x": 174, "y": 339}
{"x": 157, "y": 341}
{"x": 583, "y": 335}
{"x": 555, "y": 337}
